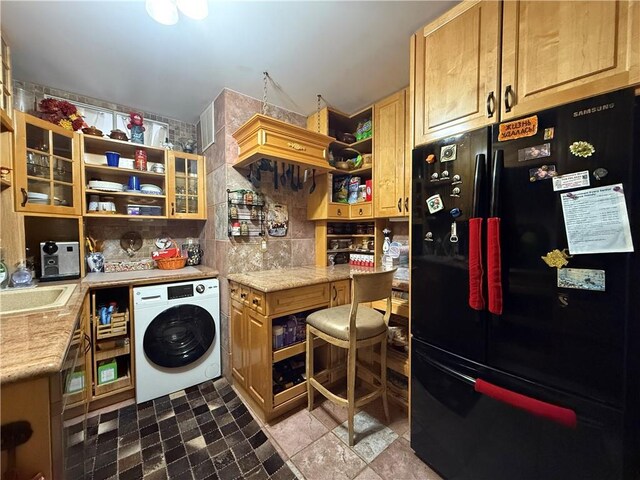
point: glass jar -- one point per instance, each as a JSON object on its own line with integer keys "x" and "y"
{"x": 233, "y": 211}
{"x": 254, "y": 213}
{"x": 244, "y": 228}
{"x": 235, "y": 228}
{"x": 192, "y": 251}
{"x": 248, "y": 197}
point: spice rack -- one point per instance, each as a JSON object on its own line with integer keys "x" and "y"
{"x": 246, "y": 214}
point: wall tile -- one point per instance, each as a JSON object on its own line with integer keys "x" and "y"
{"x": 278, "y": 254}
{"x": 224, "y": 300}
{"x": 300, "y": 226}
{"x": 303, "y": 252}
{"x": 230, "y": 146}
{"x": 219, "y": 185}
{"x": 221, "y": 263}
{"x": 220, "y": 221}
{"x": 244, "y": 256}
{"x": 238, "y": 109}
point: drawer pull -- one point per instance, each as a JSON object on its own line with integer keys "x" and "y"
{"x": 243, "y": 295}
{"x": 400, "y": 205}
{"x": 406, "y": 204}
{"x": 339, "y": 212}
{"x": 335, "y": 293}
{"x": 360, "y": 212}
{"x": 256, "y": 302}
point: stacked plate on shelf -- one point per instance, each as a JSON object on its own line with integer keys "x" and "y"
{"x": 38, "y": 198}
{"x": 106, "y": 186}
{"x": 150, "y": 189}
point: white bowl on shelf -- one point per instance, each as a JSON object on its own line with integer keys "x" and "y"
{"x": 151, "y": 189}
{"x": 106, "y": 186}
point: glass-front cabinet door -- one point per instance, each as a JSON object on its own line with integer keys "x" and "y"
{"x": 187, "y": 195}
{"x": 47, "y": 174}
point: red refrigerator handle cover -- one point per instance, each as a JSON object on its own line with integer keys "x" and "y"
{"x": 561, "y": 415}
{"x": 494, "y": 266}
{"x": 476, "y": 274}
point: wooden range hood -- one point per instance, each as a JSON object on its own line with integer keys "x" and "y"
{"x": 265, "y": 137}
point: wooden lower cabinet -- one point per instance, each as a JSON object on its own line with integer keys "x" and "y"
{"x": 239, "y": 334}
{"x": 252, "y": 315}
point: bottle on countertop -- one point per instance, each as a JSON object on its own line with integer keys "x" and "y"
{"x": 4, "y": 272}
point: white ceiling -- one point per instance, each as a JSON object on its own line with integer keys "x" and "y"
{"x": 352, "y": 53}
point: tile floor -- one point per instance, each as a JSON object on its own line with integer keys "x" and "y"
{"x": 207, "y": 432}
{"x": 203, "y": 432}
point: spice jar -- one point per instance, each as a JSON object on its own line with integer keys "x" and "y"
{"x": 248, "y": 197}
{"x": 254, "y": 213}
{"x": 235, "y": 228}
{"x": 233, "y": 211}
{"x": 361, "y": 229}
{"x": 244, "y": 228}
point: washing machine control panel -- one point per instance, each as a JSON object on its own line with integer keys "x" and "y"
{"x": 180, "y": 291}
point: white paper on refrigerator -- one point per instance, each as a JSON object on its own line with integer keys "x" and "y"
{"x": 596, "y": 220}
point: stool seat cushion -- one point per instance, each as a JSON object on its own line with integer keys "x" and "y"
{"x": 335, "y": 322}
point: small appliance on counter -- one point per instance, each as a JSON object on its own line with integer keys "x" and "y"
{"x": 59, "y": 260}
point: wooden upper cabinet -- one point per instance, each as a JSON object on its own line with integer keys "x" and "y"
{"x": 389, "y": 155}
{"x": 455, "y": 71}
{"x": 558, "y": 52}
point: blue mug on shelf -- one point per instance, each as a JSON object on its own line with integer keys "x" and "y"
{"x": 134, "y": 183}
{"x": 113, "y": 158}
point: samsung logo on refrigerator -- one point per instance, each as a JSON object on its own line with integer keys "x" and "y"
{"x": 599, "y": 108}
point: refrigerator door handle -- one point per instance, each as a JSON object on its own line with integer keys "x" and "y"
{"x": 561, "y": 415}
{"x": 478, "y": 181}
{"x": 496, "y": 174}
{"x": 450, "y": 371}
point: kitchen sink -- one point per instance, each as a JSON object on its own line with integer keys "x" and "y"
{"x": 27, "y": 299}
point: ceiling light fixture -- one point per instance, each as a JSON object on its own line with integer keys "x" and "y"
{"x": 166, "y": 11}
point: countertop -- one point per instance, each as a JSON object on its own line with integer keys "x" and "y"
{"x": 286, "y": 278}
{"x": 33, "y": 344}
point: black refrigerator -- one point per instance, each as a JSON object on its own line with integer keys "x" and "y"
{"x": 526, "y": 338}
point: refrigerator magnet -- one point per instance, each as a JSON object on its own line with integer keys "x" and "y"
{"x": 434, "y": 203}
{"x": 448, "y": 153}
{"x": 582, "y": 149}
{"x": 581, "y": 279}
{"x": 548, "y": 133}
{"x": 525, "y": 127}
{"x": 545, "y": 172}
{"x": 431, "y": 158}
{"x": 531, "y": 153}
{"x": 571, "y": 180}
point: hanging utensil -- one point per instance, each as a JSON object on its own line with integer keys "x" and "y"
{"x": 275, "y": 175}
{"x": 294, "y": 185}
{"x": 306, "y": 175}
{"x": 298, "y": 184}
{"x": 283, "y": 177}
{"x": 313, "y": 178}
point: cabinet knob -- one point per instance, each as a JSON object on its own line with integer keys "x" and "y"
{"x": 360, "y": 212}
{"x": 339, "y": 212}
{"x": 508, "y": 98}
{"x": 400, "y": 205}
{"x": 243, "y": 295}
{"x": 491, "y": 104}
{"x": 256, "y": 302}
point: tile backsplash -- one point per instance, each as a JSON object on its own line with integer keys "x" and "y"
{"x": 111, "y": 231}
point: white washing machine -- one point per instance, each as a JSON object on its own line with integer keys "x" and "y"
{"x": 177, "y": 336}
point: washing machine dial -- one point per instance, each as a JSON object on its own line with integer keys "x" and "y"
{"x": 200, "y": 288}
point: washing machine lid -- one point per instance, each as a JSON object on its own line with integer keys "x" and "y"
{"x": 179, "y": 336}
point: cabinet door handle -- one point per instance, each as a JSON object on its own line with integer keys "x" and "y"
{"x": 173, "y": 210}
{"x": 360, "y": 212}
{"x": 256, "y": 302}
{"x": 335, "y": 293}
{"x": 508, "y": 92}
{"x": 88, "y": 339}
{"x": 406, "y": 204}
{"x": 339, "y": 212}
{"x": 400, "y": 205}
{"x": 25, "y": 197}
{"x": 491, "y": 104}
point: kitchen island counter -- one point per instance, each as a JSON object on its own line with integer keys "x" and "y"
{"x": 284, "y": 279}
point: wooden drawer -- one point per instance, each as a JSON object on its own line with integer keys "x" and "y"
{"x": 298, "y": 299}
{"x": 234, "y": 291}
{"x": 338, "y": 210}
{"x": 289, "y": 393}
{"x": 361, "y": 210}
{"x": 257, "y": 301}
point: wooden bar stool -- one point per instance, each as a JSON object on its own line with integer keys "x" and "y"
{"x": 351, "y": 327}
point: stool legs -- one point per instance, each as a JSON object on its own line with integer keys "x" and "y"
{"x": 351, "y": 387}
{"x": 383, "y": 377}
{"x": 310, "y": 390}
